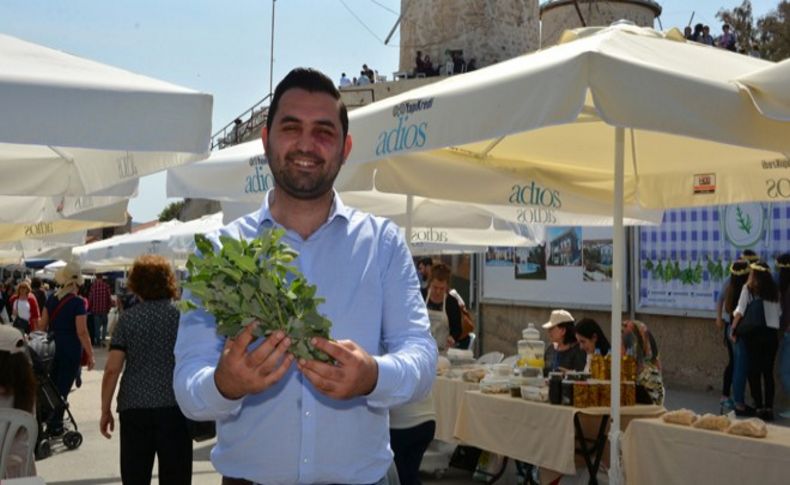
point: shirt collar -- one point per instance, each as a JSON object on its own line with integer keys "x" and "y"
{"x": 338, "y": 209}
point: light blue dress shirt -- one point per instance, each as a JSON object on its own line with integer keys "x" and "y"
{"x": 291, "y": 433}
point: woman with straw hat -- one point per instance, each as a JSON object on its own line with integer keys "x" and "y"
{"x": 64, "y": 316}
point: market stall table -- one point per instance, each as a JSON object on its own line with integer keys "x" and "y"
{"x": 539, "y": 433}
{"x": 447, "y": 396}
{"x": 655, "y": 452}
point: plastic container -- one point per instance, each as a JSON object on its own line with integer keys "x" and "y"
{"x": 495, "y": 385}
{"x": 503, "y": 370}
{"x": 555, "y": 387}
{"x": 531, "y": 349}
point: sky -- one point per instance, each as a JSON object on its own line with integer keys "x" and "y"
{"x": 223, "y": 48}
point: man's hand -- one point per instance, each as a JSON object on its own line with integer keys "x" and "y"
{"x": 719, "y": 323}
{"x": 355, "y": 374}
{"x": 241, "y": 372}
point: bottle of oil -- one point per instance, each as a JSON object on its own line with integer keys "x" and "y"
{"x": 629, "y": 367}
{"x": 597, "y": 365}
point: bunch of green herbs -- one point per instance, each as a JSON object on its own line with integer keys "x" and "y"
{"x": 254, "y": 281}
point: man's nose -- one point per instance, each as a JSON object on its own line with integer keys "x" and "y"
{"x": 306, "y": 141}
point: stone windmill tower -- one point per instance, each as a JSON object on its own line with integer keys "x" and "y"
{"x": 559, "y": 15}
{"x": 488, "y": 31}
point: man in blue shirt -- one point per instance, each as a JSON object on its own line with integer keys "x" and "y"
{"x": 286, "y": 422}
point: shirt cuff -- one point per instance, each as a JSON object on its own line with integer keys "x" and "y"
{"x": 386, "y": 383}
{"x": 207, "y": 392}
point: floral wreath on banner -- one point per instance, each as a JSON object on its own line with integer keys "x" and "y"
{"x": 744, "y": 225}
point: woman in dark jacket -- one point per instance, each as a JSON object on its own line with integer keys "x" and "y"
{"x": 142, "y": 347}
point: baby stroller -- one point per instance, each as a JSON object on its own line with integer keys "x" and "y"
{"x": 48, "y": 399}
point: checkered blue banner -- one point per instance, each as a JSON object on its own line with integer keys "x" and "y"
{"x": 684, "y": 261}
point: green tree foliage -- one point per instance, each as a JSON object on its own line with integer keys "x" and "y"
{"x": 769, "y": 35}
{"x": 171, "y": 211}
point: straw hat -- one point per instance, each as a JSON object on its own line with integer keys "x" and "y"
{"x": 558, "y": 317}
{"x": 68, "y": 276}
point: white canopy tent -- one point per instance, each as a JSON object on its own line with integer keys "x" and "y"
{"x": 613, "y": 119}
{"x": 240, "y": 174}
{"x": 174, "y": 240}
{"x": 51, "y": 247}
{"x": 23, "y": 218}
{"x": 72, "y": 126}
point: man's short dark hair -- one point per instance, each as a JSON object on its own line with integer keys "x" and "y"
{"x": 313, "y": 81}
{"x": 425, "y": 261}
{"x": 35, "y": 283}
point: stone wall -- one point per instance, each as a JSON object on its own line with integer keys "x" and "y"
{"x": 560, "y": 15}
{"x": 488, "y": 31}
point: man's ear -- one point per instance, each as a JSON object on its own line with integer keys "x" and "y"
{"x": 265, "y": 135}
{"x": 347, "y": 148}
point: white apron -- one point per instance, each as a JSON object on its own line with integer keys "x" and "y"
{"x": 440, "y": 326}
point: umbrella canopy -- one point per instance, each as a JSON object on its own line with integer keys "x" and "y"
{"x": 537, "y": 131}
{"x": 120, "y": 251}
{"x": 72, "y": 126}
{"x": 240, "y": 174}
{"x": 173, "y": 240}
{"x": 23, "y": 218}
{"x": 614, "y": 118}
{"x": 481, "y": 232}
{"x": 52, "y": 247}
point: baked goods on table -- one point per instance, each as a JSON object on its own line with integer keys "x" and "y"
{"x": 713, "y": 422}
{"x": 752, "y": 427}
{"x": 684, "y": 417}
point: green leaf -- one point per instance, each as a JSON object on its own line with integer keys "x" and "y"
{"x": 249, "y": 281}
{"x": 203, "y": 244}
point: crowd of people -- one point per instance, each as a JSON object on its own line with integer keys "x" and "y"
{"x": 753, "y": 313}
{"x": 366, "y": 76}
{"x": 727, "y": 40}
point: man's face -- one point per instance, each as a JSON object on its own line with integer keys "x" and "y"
{"x": 438, "y": 290}
{"x": 305, "y": 146}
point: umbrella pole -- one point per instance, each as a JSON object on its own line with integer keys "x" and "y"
{"x": 615, "y": 474}
{"x": 409, "y": 223}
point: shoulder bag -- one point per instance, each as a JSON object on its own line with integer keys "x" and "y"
{"x": 753, "y": 319}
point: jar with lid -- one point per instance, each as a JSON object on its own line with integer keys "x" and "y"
{"x": 530, "y": 348}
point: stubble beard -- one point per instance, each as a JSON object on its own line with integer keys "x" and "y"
{"x": 302, "y": 186}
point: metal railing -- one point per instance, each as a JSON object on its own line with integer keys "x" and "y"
{"x": 234, "y": 133}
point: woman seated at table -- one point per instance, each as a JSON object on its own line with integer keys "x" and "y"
{"x": 640, "y": 344}
{"x": 444, "y": 311}
{"x": 563, "y": 353}
{"x": 591, "y": 339}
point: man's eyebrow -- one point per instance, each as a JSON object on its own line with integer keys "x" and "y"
{"x": 293, "y": 119}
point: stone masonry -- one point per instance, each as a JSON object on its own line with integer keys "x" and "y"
{"x": 488, "y": 31}
{"x": 560, "y": 15}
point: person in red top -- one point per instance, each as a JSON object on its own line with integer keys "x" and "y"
{"x": 100, "y": 302}
{"x": 24, "y": 308}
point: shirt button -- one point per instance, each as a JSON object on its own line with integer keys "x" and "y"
{"x": 307, "y": 413}
{"x": 305, "y": 460}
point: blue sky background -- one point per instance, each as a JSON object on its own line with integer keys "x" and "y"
{"x": 222, "y": 48}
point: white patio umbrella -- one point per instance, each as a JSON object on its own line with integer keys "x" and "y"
{"x": 119, "y": 252}
{"x": 614, "y": 118}
{"x": 174, "y": 240}
{"x": 444, "y": 237}
{"x": 71, "y": 126}
{"x": 241, "y": 174}
{"x": 52, "y": 247}
{"x": 23, "y": 218}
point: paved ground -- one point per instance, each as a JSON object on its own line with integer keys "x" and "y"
{"x": 96, "y": 461}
